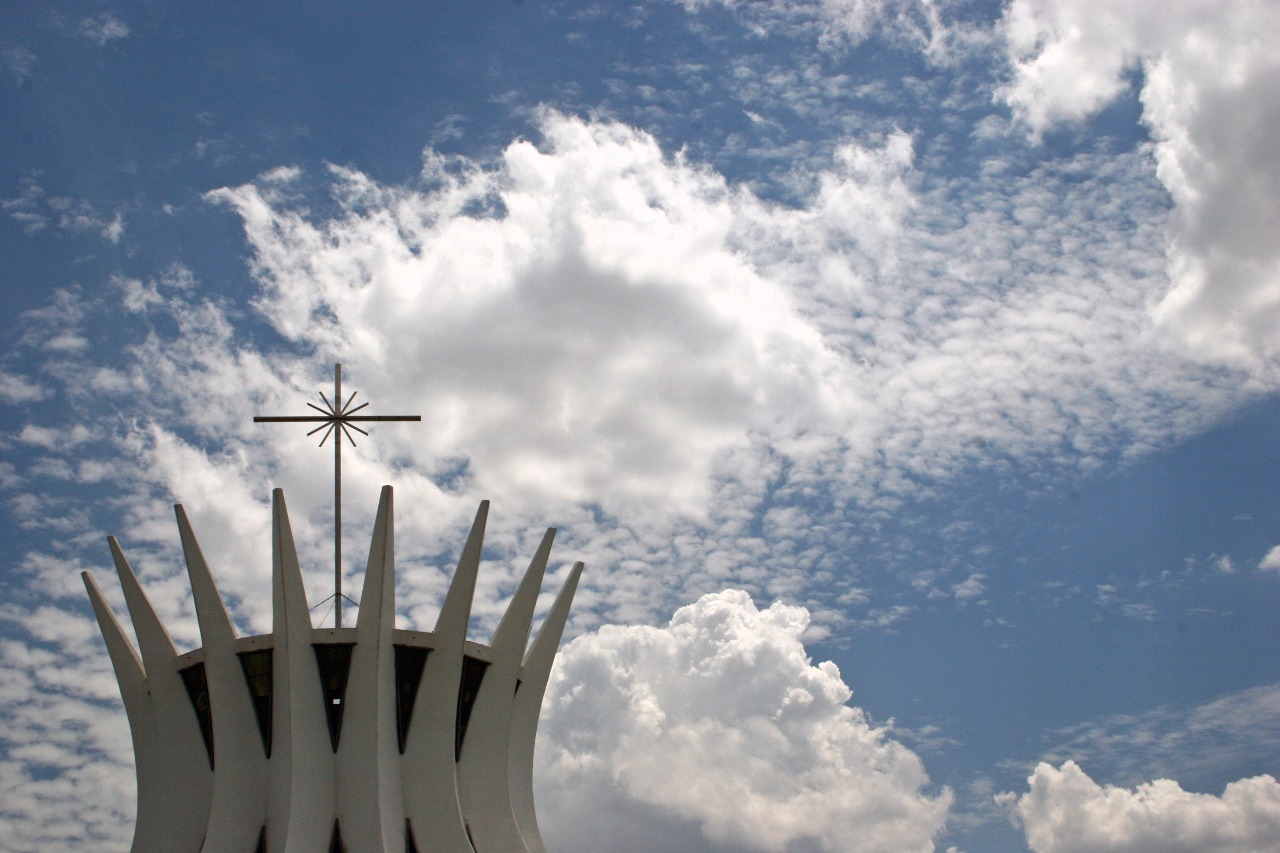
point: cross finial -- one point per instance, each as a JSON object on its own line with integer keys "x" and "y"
{"x": 336, "y": 417}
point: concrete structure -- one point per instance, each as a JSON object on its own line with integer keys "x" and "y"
{"x": 359, "y": 739}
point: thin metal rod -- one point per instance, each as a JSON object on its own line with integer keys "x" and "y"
{"x": 337, "y": 508}
{"x": 302, "y": 419}
{"x": 335, "y": 420}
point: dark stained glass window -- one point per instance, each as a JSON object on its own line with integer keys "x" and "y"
{"x": 472, "y": 674}
{"x": 197, "y": 684}
{"x": 410, "y": 662}
{"x": 334, "y": 660}
{"x": 257, "y": 674}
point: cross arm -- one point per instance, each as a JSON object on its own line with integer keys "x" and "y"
{"x": 381, "y": 417}
{"x": 298, "y": 419}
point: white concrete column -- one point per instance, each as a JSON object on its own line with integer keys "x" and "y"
{"x": 430, "y": 784}
{"x": 370, "y": 796}
{"x": 482, "y": 769}
{"x": 303, "y": 798}
{"x": 149, "y": 825}
{"x": 239, "y": 807}
{"x": 183, "y": 785}
{"x": 527, "y": 707}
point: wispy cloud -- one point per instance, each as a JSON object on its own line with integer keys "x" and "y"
{"x": 1193, "y": 744}
{"x": 103, "y": 29}
{"x": 36, "y": 211}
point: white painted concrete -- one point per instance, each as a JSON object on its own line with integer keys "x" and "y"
{"x": 368, "y": 785}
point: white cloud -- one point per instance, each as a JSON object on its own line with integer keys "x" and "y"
{"x": 1197, "y": 745}
{"x": 720, "y": 720}
{"x": 1067, "y": 812}
{"x": 1271, "y": 560}
{"x": 16, "y": 389}
{"x": 970, "y": 588}
{"x": 646, "y": 322}
{"x": 36, "y": 211}
{"x": 20, "y": 62}
{"x": 625, "y": 344}
{"x": 840, "y": 24}
{"x": 1211, "y": 99}
{"x": 103, "y": 29}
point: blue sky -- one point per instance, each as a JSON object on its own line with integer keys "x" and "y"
{"x": 905, "y": 371}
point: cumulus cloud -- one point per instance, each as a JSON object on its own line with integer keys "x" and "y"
{"x": 1210, "y": 90}
{"x": 601, "y": 309}
{"x": 720, "y": 721}
{"x": 647, "y": 322}
{"x": 1067, "y": 812}
{"x": 1271, "y": 560}
{"x": 621, "y": 341}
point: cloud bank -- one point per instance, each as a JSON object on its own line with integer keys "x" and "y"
{"x": 720, "y": 721}
{"x": 623, "y": 342}
{"x": 1067, "y": 812}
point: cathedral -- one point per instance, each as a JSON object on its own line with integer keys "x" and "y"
{"x": 365, "y": 738}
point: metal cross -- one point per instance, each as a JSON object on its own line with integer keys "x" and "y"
{"x": 336, "y": 417}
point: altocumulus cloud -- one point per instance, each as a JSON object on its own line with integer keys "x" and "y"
{"x": 1211, "y": 99}
{"x": 720, "y": 721}
{"x": 1067, "y": 812}
{"x": 624, "y": 343}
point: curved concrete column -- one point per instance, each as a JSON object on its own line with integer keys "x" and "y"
{"x": 401, "y": 761}
{"x": 370, "y": 801}
{"x": 239, "y": 808}
{"x": 526, "y": 709}
{"x": 303, "y": 799}
{"x": 182, "y": 786}
{"x": 149, "y": 825}
{"x": 430, "y": 778}
{"x": 482, "y": 769}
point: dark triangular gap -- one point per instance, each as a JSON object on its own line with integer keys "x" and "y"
{"x": 472, "y": 674}
{"x": 334, "y": 661}
{"x": 257, "y": 674}
{"x": 410, "y": 846}
{"x": 519, "y": 681}
{"x": 197, "y": 684}
{"x": 335, "y": 841}
{"x": 410, "y": 662}
{"x": 262, "y": 841}
{"x": 470, "y": 840}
